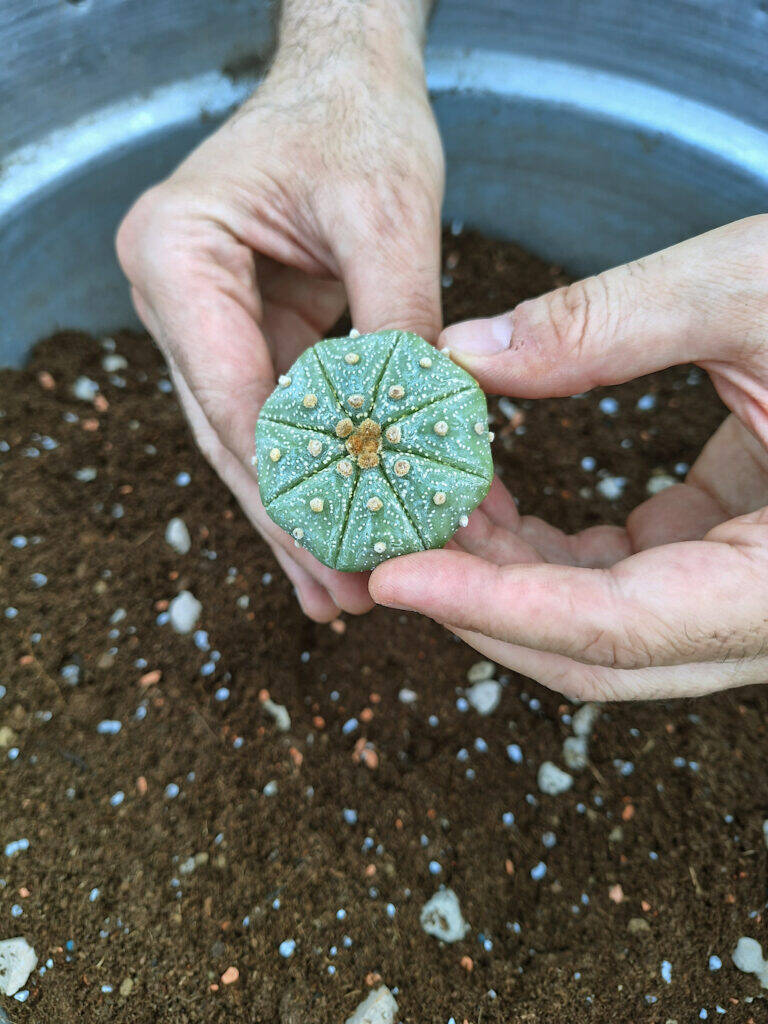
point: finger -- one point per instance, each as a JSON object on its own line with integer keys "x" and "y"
{"x": 700, "y": 300}
{"x": 316, "y": 603}
{"x": 593, "y": 682}
{"x": 391, "y": 270}
{"x": 665, "y": 606}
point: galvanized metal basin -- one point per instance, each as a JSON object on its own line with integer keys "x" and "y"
{"x": 592, "y": 131}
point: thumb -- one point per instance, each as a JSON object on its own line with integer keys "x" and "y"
{"x": 698, "y": 300}
{"x": 392, "y": 277}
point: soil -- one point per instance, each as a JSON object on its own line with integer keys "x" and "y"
{"x": 670, "y": 809}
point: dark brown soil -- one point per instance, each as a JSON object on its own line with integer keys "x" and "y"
{"x": 101, "y": 888}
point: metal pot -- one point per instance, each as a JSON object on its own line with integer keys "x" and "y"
{"x": 592, "y": 131}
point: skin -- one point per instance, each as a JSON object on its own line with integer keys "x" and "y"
{"x": 676, "y": 602}
{"x": 323, "y": 187}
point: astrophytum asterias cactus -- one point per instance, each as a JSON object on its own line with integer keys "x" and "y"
{"x": 373, "y": 446}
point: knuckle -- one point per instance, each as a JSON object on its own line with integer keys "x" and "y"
{"x": 578, "y": 314}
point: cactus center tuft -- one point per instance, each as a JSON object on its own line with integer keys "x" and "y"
{"x": 364, "y": 444}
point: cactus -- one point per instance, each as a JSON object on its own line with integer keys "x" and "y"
{"x": 373, "y": 446}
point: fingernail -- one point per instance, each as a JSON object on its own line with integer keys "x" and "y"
{"x": 480, "y": 337}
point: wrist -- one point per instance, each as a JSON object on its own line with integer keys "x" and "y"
{"x": 342, "y": 40}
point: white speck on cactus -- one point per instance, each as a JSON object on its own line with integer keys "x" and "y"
{"x": 480, "y": 428}
{"x": 284, "y": 380}
{"x": 388, "y": 442}
{"x": 354, "y": 333}
{"x": 298, "y": 533}
{"x": 463, "y": 521}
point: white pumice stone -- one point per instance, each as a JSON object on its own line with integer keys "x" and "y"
{"x": 316, "y": 504}
{"x": 575, "y": 753}
{"x": 374, "y": 504}
{"x": 85, "y": 389}
{"x": 611, "y": 487}
{"x": 585, "y": 719}
{"x": 279, "y": 713}
{"x": 284, "y": 380}
{"x": 748, "y": 957}
{"x": 484, "y": 696}
{"x": 177, "y": 536}
{"x": 441, "y": 428}
{"x": 439, "y": 497}
{"x": 660, "y": 483}
{"x": 480, "y": 671}
{"x": 314, "y": 447}
{"x": 378, "y": 1007}
{"x": 351, "y": 358}
{"x": 274, "y": 454}
{"x": 113, "y": 363}
{"x": 17, "y": 961}
{"x": 379, "y": 547}
{"x": 553, "y": 780}
{"x": 309, "y": 401}
{"x": 184, "y": 611}
{"x": 441, "y": 916}
{"x": 402, "y": 467}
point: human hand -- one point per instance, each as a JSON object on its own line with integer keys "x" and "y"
{"x": 675, "y": 603}
{"x": 325, "y": 188}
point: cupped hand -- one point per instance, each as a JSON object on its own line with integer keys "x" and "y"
{"x": 323, "y": 190}
{"x": 675, "y": 603}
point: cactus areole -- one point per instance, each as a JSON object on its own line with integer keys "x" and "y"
{"x": 373, "y": 446}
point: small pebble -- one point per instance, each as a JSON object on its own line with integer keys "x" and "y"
{"x": 379, "y": 1007}
{"x": 584, "y": 719}
{"x": 553, "y": 780}
{"x": 575, "y": 753}
{"x": 612, "y": 487}
{"x": 287, "y": 948}
{"x": 17, "y": 961}
{"x": 484, "y": 696}
{"x": 538, "y": 871}
{"x": 481, "y": 671}
{"x": 184, "y": 611}
{"x": 177, "y": 536}
{"x": 441, "y": 917}
{"x": 109, "y": 727}
{"x": 84, "y": 389}
{"x": 515, "y": 753}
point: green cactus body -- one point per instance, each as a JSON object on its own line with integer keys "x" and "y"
{"x": 373, "y": 446}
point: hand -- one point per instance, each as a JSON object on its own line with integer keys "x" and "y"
{"x": 676, "y": 603}
{"x": 325, "y": 188}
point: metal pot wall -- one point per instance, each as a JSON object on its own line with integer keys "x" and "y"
{"x": 592, "y": 131}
